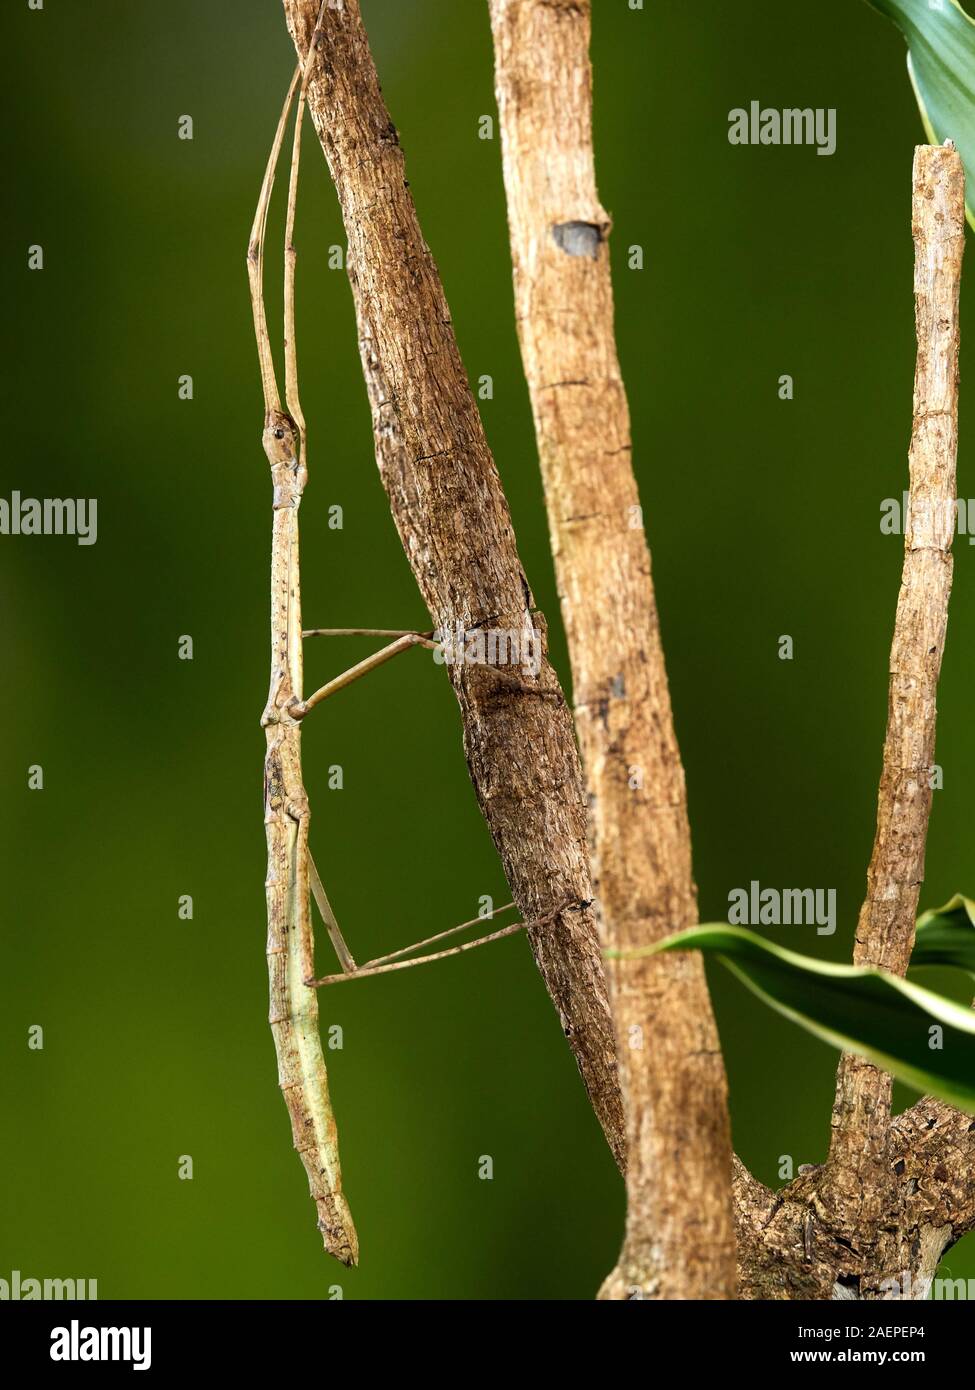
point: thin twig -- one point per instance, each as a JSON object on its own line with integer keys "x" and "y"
{"x": 893, "y": 1196}
{"x": 885, "y": 930}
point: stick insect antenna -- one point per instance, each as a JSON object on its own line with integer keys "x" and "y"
{"x": 255, "y": 259}
{"x": 291, "y": 396}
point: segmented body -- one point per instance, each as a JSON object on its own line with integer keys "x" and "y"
{"x": 294, "y": 1007}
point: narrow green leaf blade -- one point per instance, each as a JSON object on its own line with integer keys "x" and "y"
{"x": 946, "y": 935}
{"x": 856, "y": 1009}
{"x": 941, "y": 62}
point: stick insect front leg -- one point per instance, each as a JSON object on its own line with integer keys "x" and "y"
{"x": 403, "y": 643}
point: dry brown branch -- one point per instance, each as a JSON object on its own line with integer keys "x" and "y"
{"x": 893, "y": 1196}
{"x": 453, "y": 519}
{"x": 679, "y": 1239}
{"x": 885, "y": 930}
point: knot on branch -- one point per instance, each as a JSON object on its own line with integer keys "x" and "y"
{"x": 580, "y": 238}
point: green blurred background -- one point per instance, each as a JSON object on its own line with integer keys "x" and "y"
{"x": 763, "y": 516}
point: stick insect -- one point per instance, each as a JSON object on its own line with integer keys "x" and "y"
{"x": 293, "y": 1005}
{"x": 292, "y": 877}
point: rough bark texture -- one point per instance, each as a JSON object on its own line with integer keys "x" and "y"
{"x": 800, "y": 1243}
{"x": 885, "y": 930}
{"x": 453, "y": 520}
{"x": 875, "y": 1219}
{"x": 679, "y": 1240}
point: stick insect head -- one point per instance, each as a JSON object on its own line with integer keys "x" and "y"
{"x": 281, "y": 440}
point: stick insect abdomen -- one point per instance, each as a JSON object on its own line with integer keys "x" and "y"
{"x": 294, "y": 1007}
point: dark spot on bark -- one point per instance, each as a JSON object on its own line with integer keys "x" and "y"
{"x": 578, "y": 238}
{"x": 617, "y": 688}
{"x": 899, "y": 1166}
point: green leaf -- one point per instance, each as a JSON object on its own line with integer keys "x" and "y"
{"x": 855, "y": 1008}
{"x": 941, "y": 63}
{"x": 946, "y": 935}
